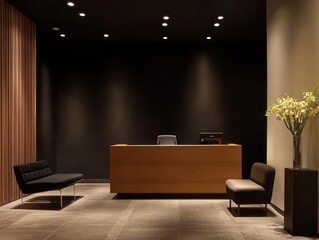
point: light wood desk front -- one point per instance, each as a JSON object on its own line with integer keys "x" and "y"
{"x": 173, "y": 169}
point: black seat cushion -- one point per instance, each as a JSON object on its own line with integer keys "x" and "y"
{"x": 54, "y": 181}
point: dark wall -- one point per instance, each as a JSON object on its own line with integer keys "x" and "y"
{"x": 93, "y": 95}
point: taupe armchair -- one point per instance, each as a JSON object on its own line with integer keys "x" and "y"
{"x": 256, "y": 190}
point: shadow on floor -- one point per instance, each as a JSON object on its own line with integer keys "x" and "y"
{"x": 251, "y": 212}
{"x": 47, "y": 203}
{"x": 170, "y": 196}
{"x": 283, "y": 232}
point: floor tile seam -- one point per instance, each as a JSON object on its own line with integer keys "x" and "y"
{"x": 33, "y": 229}
{"x": 221, "y": 210}
{"x": 46, "y": 214}
{"x": 239, "y": 224}
{"x": 63, "y": 215}
{"x": 50, "y": 235}
{"x": 5, "y": 219}
{"x": 121, "y": 221}
{"x": 232, "y": 226}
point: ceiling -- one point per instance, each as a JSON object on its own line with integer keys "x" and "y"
{"x": 141, "y": 20}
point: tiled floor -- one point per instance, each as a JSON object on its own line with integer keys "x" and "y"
{"x": 97, "y": 215}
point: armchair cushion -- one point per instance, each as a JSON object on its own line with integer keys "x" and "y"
{"x": 245, "y": 191}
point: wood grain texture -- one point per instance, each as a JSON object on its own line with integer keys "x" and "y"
{"x": 18, "y": 96}
{"x": 173, "y": 169}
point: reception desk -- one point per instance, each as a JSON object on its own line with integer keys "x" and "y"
{"x": 173, "y": 169}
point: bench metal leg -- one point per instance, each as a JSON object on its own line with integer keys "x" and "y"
{"x": 74, "y": 191}
{"x": 74, "y": 196}
{"x": 21, "y": 196}
{"x": 61, "y": 198}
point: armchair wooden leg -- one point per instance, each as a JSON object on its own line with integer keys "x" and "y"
{"x": 265, "y": 208}
{"x": 238, "y": 209}
{"x": 229, "y": 204}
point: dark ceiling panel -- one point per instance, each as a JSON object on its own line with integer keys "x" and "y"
{"x": 140, "y": 20}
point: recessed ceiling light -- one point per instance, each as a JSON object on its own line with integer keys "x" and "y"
{"x": 62, "y": 35}
{"x": 71, "y": 4}
{"x": 106, "y": 35}
{"x": 208, "y": 38}
{"x": 56, "y": 28}
{"x": 166, "y": 17}
{"x": 165, "y": 38}
{"x": 220, "y": 17}
{"x": 216, "y": 24}
{"x": 82, "y": 14}
{"x": 164, "y": 24}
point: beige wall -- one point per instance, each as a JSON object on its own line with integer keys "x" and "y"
{"x": 293, "y": 67}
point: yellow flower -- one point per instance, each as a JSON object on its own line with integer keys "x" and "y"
{"x": 295, "y": 114}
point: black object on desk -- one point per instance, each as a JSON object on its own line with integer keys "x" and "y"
{"x": 211, "y": 137}
{"x": 301, "y": 201}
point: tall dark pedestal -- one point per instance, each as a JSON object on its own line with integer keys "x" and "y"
{"x": 301, "y": 202}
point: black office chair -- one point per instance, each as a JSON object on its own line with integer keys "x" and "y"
{"x": 166, "y": 140}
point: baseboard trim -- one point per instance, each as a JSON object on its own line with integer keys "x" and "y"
{"x": 281, "y": 212}
{"x": 96, "y": 180}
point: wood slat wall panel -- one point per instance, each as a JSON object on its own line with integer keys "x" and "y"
{"x": 18, "y": 96}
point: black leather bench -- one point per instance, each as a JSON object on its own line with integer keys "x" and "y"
{"x": 37, "y": 177}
